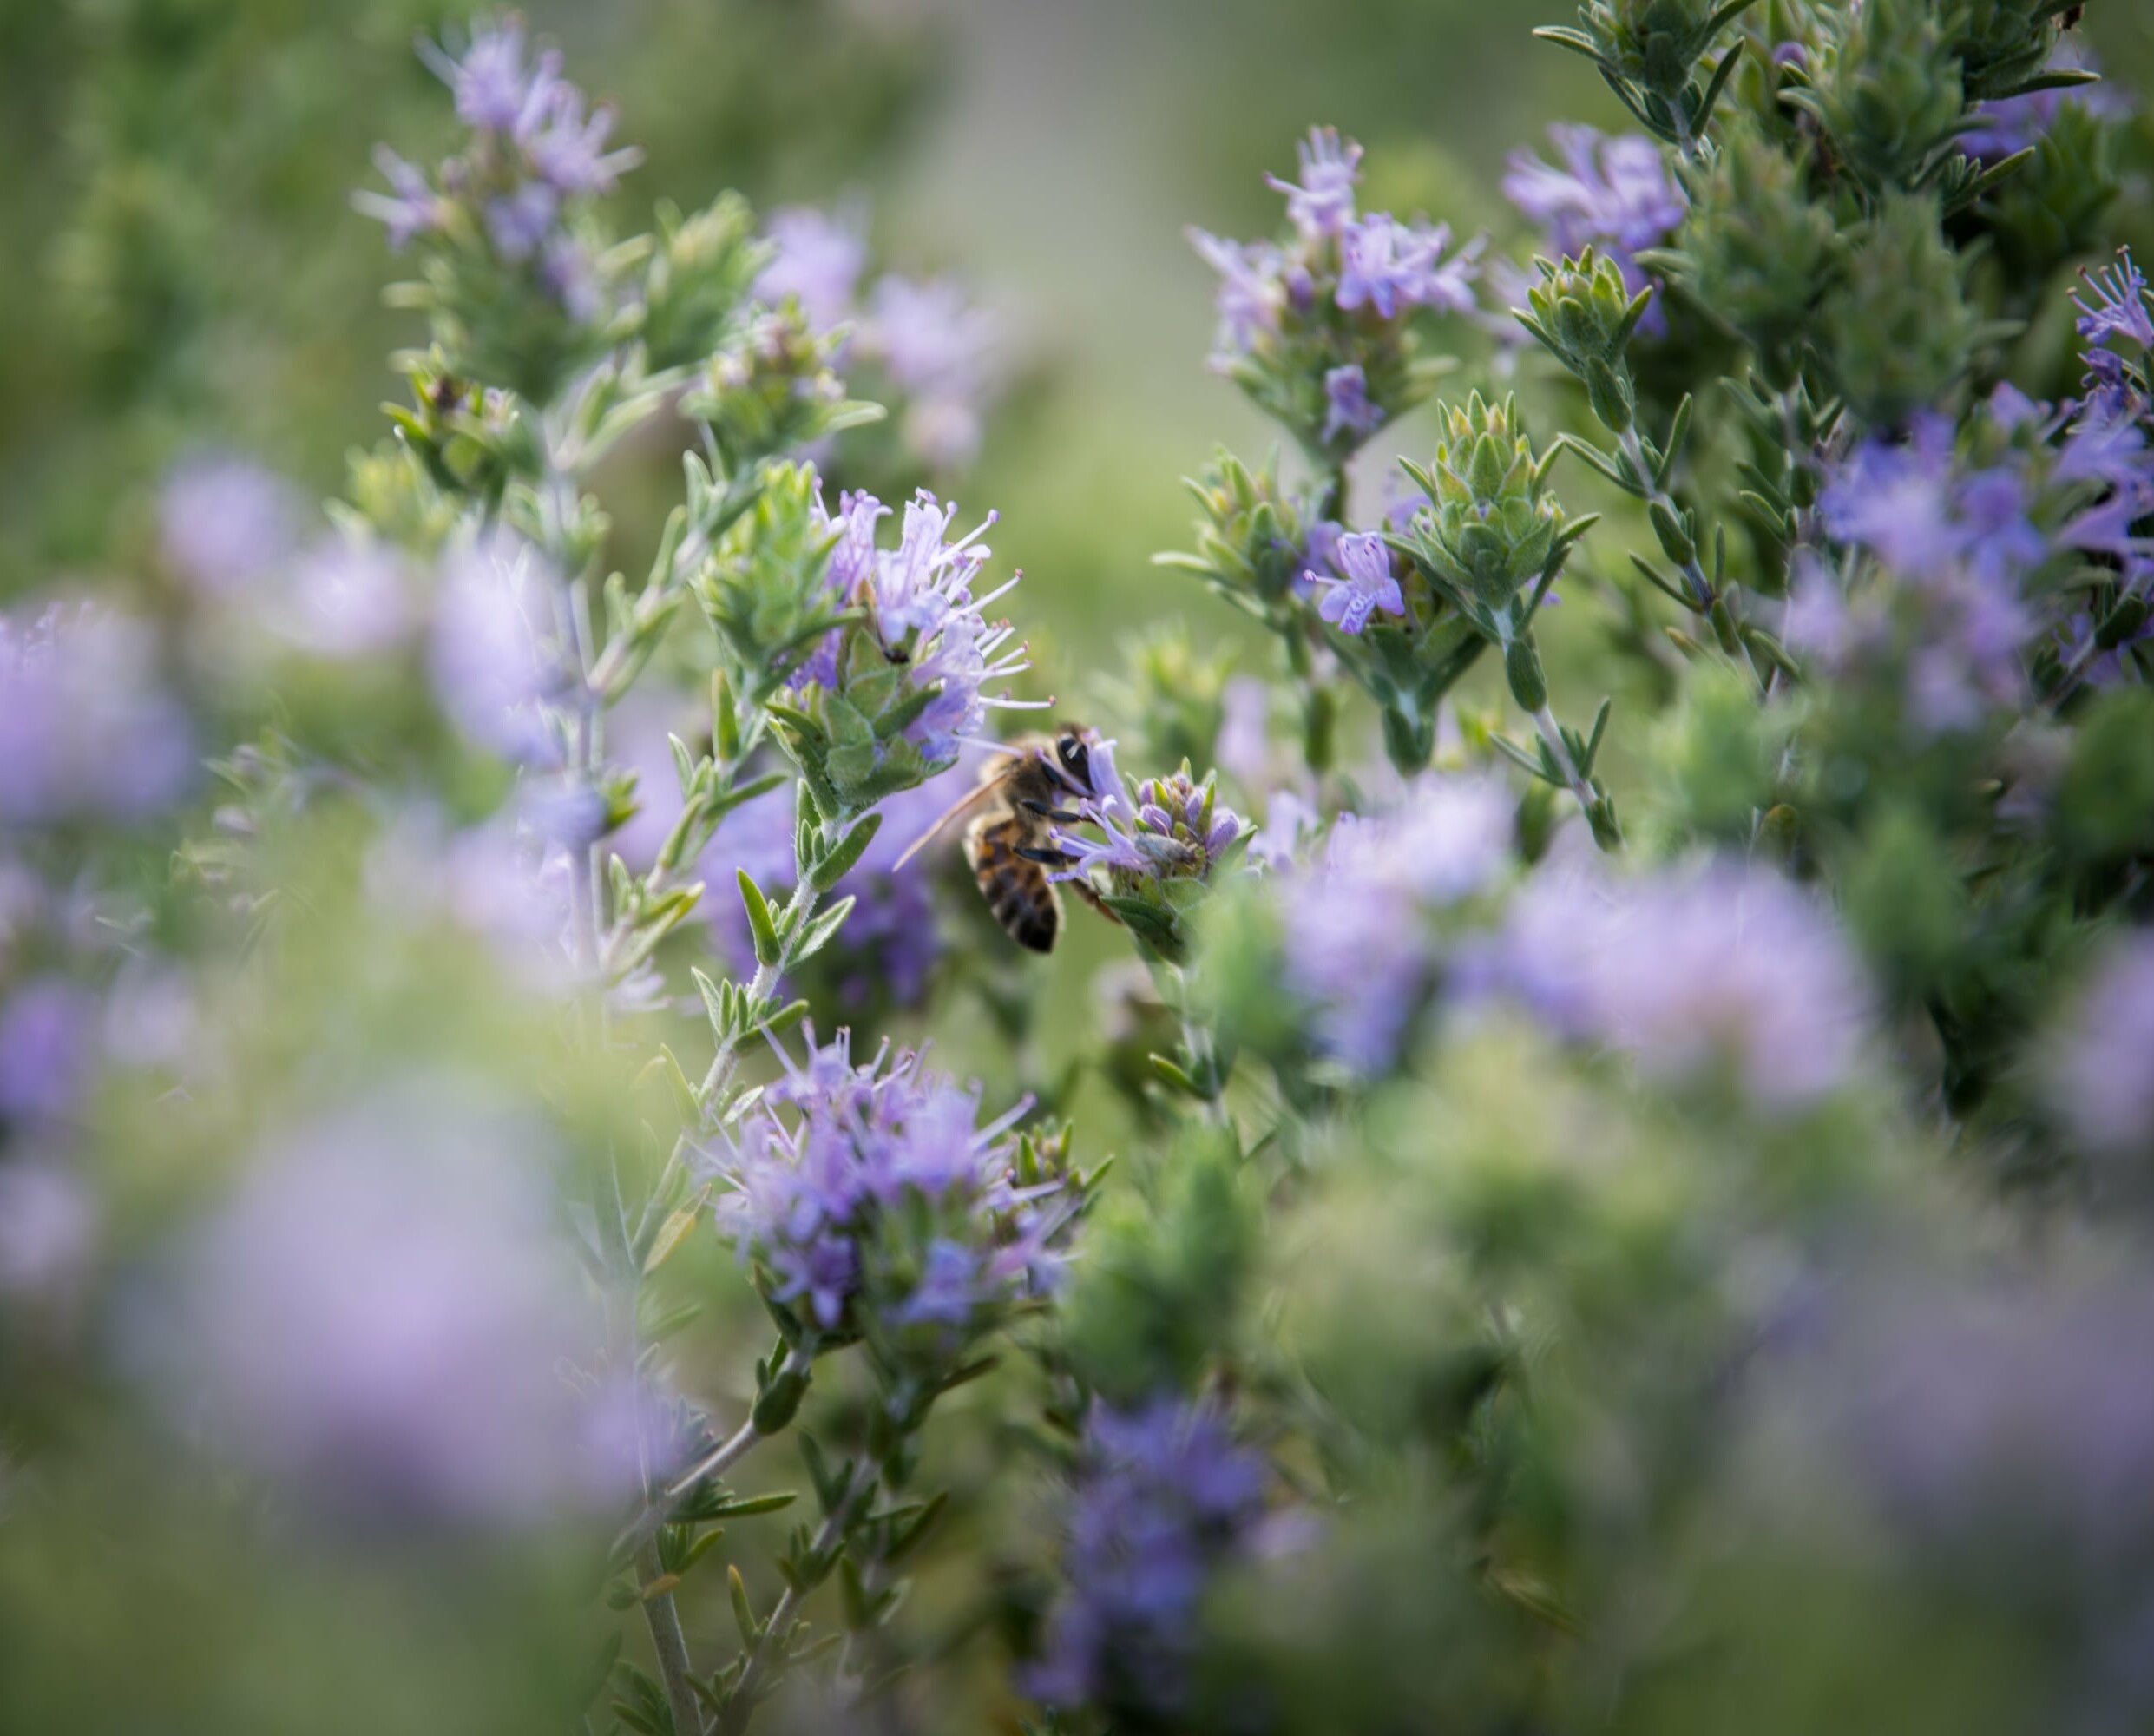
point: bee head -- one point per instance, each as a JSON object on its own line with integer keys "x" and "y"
{"x": 1072, "y": 758}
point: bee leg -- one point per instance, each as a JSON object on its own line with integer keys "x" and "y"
{"x": 1085, "y": 889}
{"x": 1061, "y": 816}
{"x": 1052, "y": 858}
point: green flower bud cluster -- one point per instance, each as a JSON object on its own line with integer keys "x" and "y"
{"x": 1584, "y": 314}
{"x": 1651, "y": 54}
{"x": 1896, "y": 332}
{"x": 761, "y": 586}
{"x": 1493, "y": 528}
{"x": 700, "y": 271}
{"x": 1172, "y": 701}
{"x": 1251, "y": 542}
{"x": 770, "y": 388}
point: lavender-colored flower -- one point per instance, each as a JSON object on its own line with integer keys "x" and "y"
{"x": 1165, "y": 1499}
{"x": 87, "y": 730}
{"x": 379, "y": 1316}
{"x": 819, "y": 261}
{"x": 347, "y": 599}
{"x": 1348, "y": 411}
{"x": 492, "y": 661}
{"x": 1387, "y": 265}
{"x": 2099, "y": 1073}
{"x": 495, "y": 92}
{"x": 225, "y": 522}
{"x": 569, "y": 152}
{"x": 1244, "y": 750}
{"x": 410, "y": 207}
{"x": 1176, "y": 830}
{"x": 1252, "y": 293}
{"x": 1356, "y": 922}
{"x": 47, "y": 1031}
{"x": 873, "y": 1199}
{"x": 1369, "y": 585}
{"x": 47, "y": 1229}
{"x": 520, "y": 222}
{"x": 1615, "y": 193}
{"x": 920, "y": 601}
{"x": 1922, "y": 512}
{"x": 1322, "y": 205}
{"x": 1975, "y": 1413}
{"x": 2122, "y": 306}
{"x": 943, "y": 349}
{"x": 1687, "y": 969}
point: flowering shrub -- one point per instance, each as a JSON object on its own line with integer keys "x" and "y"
{"x": 1621, "y": 1152}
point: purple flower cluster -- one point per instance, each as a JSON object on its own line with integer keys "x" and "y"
{"x": 1177, "y": 829}
{"x": 1356, "y": 920}
{"x": 919, "y": 601}
{"x": 1959, "y": 542}
{"x": 1972, "y": 1413}
{"x": 379, "y": 1316}
{"x": 1692, "y": 971}
{"x": 1372, "y": 266}
{"x": 535, "y": 149}
{"x": 872, "y": 1201}
{"x": 2101, "y": 1071}
{"x": 89, "y": 731}
{"x": 1165, "y": 1498}
{"x": 1611, "y": 194}
{"x": 493, "y": 657}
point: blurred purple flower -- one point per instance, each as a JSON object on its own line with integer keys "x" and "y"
{"x": 2101, "y": 1071}
{"x": 1322, "y": 204}
{"x": 492, "y": 661}
{"x": 1720, "y": 964}
{"x": 47, "y": 1029}
{"x": 819, "y": 260}
{"x": 410, "y": 208}
{"x": 2003, "y": 1413}
{"x": 519, "y": 222}
{"x": 225, "y": 522}
{"x": 47, "y": 1229}
{"x": 1356, "y": 921}
{"x": 1348, "y": 410}
{"x": 569, "y": 152}
{"x": 1165, "y": 1498}
{"x": 347, "y": 599}
{"x": 379, "y": 1316}
{"x": 87, "y": 729}
{"x": 943, "y": 349}
{"x": 1251, "y": 294}
{"x": 1387, "y": 265}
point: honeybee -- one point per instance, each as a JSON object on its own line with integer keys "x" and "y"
{"x": 1010, "y": 843}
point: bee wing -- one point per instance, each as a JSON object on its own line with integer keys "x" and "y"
{"x": 963, "y": 804}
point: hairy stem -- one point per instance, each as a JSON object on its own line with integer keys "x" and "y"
{"x": 1702, "y": 592}
{"x": 718, "y": 1082}
{"x": 1559, "y": 751}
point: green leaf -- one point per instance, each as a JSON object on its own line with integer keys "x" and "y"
{"x": 819, "y": 932}
{"x": 846, "y": 852}
{"x": 760, "y": 923}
